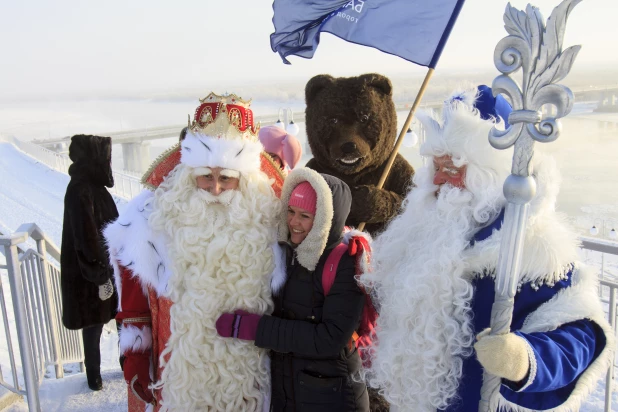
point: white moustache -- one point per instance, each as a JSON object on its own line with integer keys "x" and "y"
{"x": 225, "y": 198}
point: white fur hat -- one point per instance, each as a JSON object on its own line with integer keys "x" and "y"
{"x": 462, "y": 132}
{"x": 222, "y": 135}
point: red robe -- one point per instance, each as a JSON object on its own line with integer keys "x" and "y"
{"x": 135, "y": 304}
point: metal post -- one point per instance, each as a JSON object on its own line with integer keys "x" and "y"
{"x": 124, "y": 194}
{"x": 286, "y": 118}
{"x": 48, "y": 305}
{"x": 609, "y": 380}
{"x": 34, "y": 326}
{"x": 130, "y": 189}
{"x": 21, "y": 324}
{"x": 7, "y": 329}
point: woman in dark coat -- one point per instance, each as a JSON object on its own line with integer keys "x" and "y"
{"x": 88, "y": 297}
{"x": 313, "y": 355}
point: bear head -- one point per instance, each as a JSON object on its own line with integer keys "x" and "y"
{"x": 351, "y": 122}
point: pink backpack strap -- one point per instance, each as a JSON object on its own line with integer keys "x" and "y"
{"x": 330, "y": 266}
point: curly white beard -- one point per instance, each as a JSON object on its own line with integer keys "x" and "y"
{"x": 424, "y": 330}
{"x": 222, "y": 257}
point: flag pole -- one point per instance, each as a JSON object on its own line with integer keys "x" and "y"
{"x": 404, "y": 129}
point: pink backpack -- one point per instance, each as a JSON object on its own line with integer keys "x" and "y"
{"x": 356, "y": 244}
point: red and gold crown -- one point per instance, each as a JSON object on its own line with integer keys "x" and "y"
{"x": 222, "y": 134}
{"x": 224, "y": 116}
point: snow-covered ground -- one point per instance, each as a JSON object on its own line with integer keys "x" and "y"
{"x": 71, "y": 394}
{"x": 31, "y": 192}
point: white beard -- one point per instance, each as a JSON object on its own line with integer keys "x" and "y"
{"x": 424, "y": 330}
{"x": 222, "y": 260}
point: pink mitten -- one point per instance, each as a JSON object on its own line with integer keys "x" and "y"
{"x": 241, "y": 325}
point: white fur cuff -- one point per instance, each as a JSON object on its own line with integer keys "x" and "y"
{"x": 279, "y": 275}
{"x": 355, "y": 232}
{"x": 134, "y": 339}
{"x": 532, "y": 371}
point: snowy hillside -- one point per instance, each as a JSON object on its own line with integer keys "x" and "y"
{"x": 30, "y": 192}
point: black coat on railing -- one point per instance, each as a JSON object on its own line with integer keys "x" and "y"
{"x": 88, "y": 207}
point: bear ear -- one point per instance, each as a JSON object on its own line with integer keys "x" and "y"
{"x": 315, "y": 84}
{"x": 377, "y": 81}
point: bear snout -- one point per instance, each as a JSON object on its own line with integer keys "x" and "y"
{"x": 348, "y": 147}
{"x": 350, "y": 154}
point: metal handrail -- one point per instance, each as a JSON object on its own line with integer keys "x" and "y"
{"x": 609, "y": 380}
{"x": 606, "y": 247}
{"x": 34, "y": 278}
{"x": 34, "y": 232}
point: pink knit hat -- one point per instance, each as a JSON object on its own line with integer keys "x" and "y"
{"x": 284, "y": 145}
{"x": 304, "y": 196}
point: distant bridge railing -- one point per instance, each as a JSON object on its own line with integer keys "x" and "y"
{"x": 56, "y": 161}
{"x": 607, "y": 293}
{"x": 159, "y": 132}
{"x": 126, "y": 186}
{"x": 34, "y": 279}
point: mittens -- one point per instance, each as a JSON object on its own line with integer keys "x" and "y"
{"x": 505, "y": 356}
{"x": 106, "y": 290}
{"x": 241, "y": 325}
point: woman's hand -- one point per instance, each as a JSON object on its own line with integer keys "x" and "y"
{"x": 240, "y": 324}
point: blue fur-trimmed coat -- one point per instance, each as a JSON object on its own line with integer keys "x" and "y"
{"x": 560, "y": 317}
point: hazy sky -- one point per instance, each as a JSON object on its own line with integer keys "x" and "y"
{"x": 52, "y": 48}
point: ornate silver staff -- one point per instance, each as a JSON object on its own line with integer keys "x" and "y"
{"x": 537, "y": 49}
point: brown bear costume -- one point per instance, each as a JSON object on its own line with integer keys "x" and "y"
{"x": 351, "y": 128}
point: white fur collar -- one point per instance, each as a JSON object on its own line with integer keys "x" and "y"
{"x": 550, "y": 245}
{"x": 549, "y": 248}
{"x": 134, "y": 245}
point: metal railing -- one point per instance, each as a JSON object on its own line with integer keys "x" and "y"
{"x": 126, "y": 186}
{"x": 56, "y": 161}
{"x": 607, "y": 293}
{"x": 34, "y": 280}
{"x": 609, "y": 380}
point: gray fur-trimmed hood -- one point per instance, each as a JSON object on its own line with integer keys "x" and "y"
{"x": 334, "y": 200}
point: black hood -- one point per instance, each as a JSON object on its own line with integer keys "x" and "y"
{"x": 342, "y": 201}
{"x": 92, "y": 159}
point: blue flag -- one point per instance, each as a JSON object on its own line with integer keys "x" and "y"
{"x": 415, "y": 30}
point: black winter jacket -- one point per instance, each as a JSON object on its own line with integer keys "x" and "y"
{"x": 313, "y": 357}
{"x": 88, "y": 207}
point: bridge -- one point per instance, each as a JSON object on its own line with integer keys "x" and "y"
{"x": 136, "y": 143}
